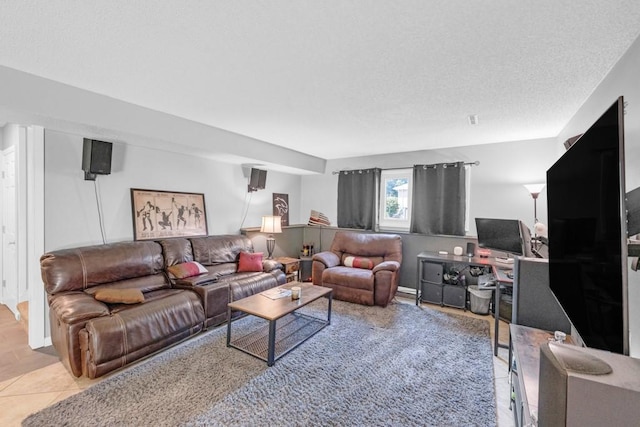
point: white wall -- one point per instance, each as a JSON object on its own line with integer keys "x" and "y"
{"x": 35, "y": 100}
{"x": 497, "y": 189}
{"x": 71, "y": 215}
{"x": 622, "y": 80}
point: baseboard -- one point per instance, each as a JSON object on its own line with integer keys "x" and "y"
{"x": 406, "y": 290}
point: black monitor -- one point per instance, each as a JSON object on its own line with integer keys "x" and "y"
{"x": 500, "y": 235}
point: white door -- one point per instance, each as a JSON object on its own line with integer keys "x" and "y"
{"x": 9, "y": 251}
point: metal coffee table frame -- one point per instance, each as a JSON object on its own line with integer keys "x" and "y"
{"x": 286, "y": 328}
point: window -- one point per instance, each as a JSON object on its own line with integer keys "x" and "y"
{"x": 396, "y": 187}
{"x": 395, "y": 199}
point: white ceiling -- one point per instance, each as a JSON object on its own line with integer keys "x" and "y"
{"x": 333, "y": 78}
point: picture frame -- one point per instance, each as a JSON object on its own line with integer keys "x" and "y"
{"x": 161, "y": 214}
{"x": 281, "y": 207}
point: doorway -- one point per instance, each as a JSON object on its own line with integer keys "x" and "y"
{"x": 10, "y": 291}
{"x": 22, "y": 215}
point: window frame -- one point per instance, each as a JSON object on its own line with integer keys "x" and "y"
{"x": 394, "y": 224}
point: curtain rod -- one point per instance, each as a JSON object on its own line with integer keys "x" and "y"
{"x": 476, "y": 163}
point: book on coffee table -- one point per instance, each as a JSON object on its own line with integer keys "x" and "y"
{"x": 276, "y": 293}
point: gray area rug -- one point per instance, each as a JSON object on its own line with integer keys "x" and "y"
{"x": 396, "y": 366}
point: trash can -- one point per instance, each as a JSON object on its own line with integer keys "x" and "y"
{"x": 479, "y": 300}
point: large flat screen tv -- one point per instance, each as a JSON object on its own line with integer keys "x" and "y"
{"x": 588, "y": 236}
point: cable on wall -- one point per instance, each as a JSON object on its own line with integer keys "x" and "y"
{"x": 247, "y": 203}
{"x": 99, "y": 207}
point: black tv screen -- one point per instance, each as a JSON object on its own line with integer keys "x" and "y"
{"x": 499, "y": 235}
{"x": 587, "y": 234}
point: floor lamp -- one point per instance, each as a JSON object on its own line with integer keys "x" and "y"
{"x": 271, "y": 225}
{"x": 535, "y": 190}
{"x": 536, "y": 242}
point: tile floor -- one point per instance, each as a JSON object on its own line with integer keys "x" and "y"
{"x": 34, "y": 379}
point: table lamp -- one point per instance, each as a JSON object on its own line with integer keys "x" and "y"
{"x": 271, "y": 225}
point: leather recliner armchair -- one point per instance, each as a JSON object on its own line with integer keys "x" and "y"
{"x": 361, "y": 268}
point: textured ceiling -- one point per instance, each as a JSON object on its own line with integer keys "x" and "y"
{"x": 333, "y": 78}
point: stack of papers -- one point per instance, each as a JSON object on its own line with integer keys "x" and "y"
{"x": 276, "y": 293}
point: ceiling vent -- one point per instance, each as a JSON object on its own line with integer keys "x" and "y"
{"x": 473, "y": 119}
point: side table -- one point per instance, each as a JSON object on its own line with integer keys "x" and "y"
{"x": 291, "y": 267}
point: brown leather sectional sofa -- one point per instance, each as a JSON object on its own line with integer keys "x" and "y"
{"x": 93, "y": 337}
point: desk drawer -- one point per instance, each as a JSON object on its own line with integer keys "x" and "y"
{"x": 432, "y": 272}
{"x": 431, "y": 293}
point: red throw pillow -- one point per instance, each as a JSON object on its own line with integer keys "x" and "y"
{"x": 250, "y": 262}
{"x": 358, "y": 262}
{"x": 186, "y": 269}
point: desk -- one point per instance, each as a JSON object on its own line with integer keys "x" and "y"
{"x": 433, "y": 278}
{"x": 501, "y": 278}
{"x": 524, "y": 369}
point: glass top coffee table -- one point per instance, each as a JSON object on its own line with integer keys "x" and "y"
{"x": 286, "y": 327}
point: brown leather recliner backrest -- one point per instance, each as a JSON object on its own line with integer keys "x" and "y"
{"x": 176, "y": 251}
{"x": 139, "y": 263}
{"x": 213, "y": 250}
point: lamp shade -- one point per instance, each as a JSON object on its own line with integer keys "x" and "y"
{"x": 534, "y": 189}
{"x": 271, "y": 224}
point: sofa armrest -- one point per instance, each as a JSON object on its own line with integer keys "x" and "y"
{"x": 387, "y": 266}
{"x": 73, "y": 307}
{"x": 269, "y": 265}
{"x": 329, "y": 259}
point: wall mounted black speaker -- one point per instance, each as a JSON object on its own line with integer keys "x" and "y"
{"x": 96, "y": 158}
{"x": 471, "y": 249}
{"x": 258, "y": 179}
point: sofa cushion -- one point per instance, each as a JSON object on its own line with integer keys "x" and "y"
{"x": 242, "y": 285}
{"x": 358, "y": 262}
{"x": 119, "y": 296}
{"x": 111, "y": 342}
{"x": 186, "y": 269}
{"x": 144, "y": 284}
{"x": 250, "y": 262}
{"x": 356, "y": 278}
{"x": 76, "y": 307}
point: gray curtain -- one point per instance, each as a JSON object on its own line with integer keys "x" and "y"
{"x": 358, "y": 198}
{"x": 439, "y": 198}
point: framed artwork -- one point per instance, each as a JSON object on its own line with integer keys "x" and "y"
{"x": 162, "y": 214}
{"x": 281, "y": 207}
